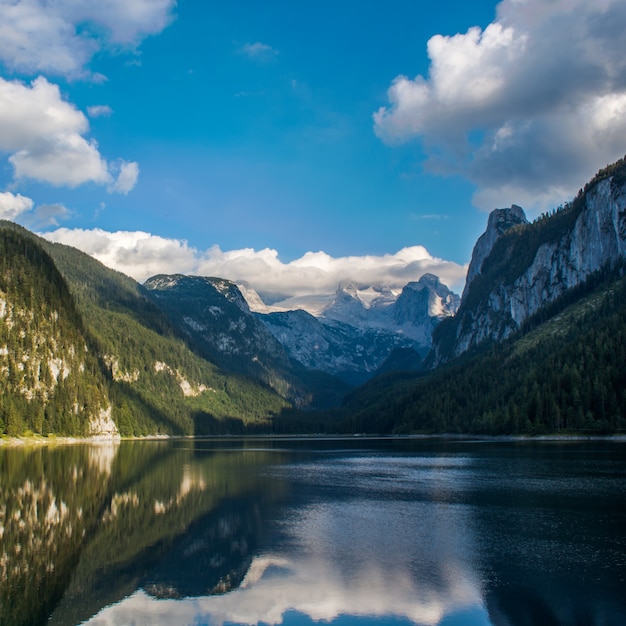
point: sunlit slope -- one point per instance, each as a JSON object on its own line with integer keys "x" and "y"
{"x": 156, "y": 383}
{"x": 50, "y": 381}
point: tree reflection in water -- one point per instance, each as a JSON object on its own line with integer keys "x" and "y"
{"x": 285, "y": 532}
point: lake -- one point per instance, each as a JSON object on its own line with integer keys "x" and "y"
{"x": 347, "y": 531}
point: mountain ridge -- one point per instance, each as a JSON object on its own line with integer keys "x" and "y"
{"x": 352, "y": 339}
{"x": 87, "y": 350}
{"x": 519, "y": 267}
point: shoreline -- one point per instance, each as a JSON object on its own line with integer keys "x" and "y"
{"x": 52, "y": 440}
{"x": 41, "y": 440}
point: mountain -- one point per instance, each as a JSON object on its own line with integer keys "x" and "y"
{"x": 50, "y": 380}
{"x": 334, "y": 347}
{"x": 566, "y": 375}
{"x": 138, "y": 369}
{"x": 355, "y": 333}
{"x": 216, "y": 319}
{"x": 538, "y": 342}
{"x": 518, "y": 268}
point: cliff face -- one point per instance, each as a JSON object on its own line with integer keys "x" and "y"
{"x": 517, "y": 268}
{"x": 500, "y": 220}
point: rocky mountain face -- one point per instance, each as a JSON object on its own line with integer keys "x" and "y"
{"x": 215, "y": 315}
{"x": 500, "y": 220}
{"x": 216, "y": 318}
{"x": 352, "y": 338}
{"x": 518, "y": 268}
{"x": 351, "y": 353}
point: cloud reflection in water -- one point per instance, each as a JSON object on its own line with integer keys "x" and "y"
{"x": 357, "y": 550}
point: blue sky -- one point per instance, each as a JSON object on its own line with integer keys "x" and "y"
{"x": 298, "y": 144}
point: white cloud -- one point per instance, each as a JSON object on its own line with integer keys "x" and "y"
{"x": 44, "y": 135}
{"x": 126, "y": 178}
{"x": 528, "y": 108}
{"x": 141, "y": 255}
{"x": 12, "y": 205}
{"x": 61, "y": 37}
{"x": 99, "y": 110}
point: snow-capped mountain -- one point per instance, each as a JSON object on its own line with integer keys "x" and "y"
{"x": 352, "y": 333}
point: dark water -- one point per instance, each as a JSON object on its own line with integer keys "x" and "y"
{"x": 351, "y": 531}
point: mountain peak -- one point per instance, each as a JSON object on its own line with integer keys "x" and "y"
{"x": 500, "y": 220}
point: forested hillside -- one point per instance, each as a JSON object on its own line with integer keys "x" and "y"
{"x": 564, "y": 372}
{"x": 50, "y": 382}
{"x": 153, "y": 380}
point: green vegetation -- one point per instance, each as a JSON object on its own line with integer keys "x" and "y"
{"x": 77, "y": 338}
{"x": 83, "y": 525}
{"x": 50, "y": 382}
{"x": 566, "y": 374}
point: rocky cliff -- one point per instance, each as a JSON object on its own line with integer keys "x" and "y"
{"x": 217, "y": 320}
{"x": 518, "y": 268}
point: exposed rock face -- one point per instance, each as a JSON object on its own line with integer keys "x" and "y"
{"x": 352, "y": 338}
{"x": 515, "y": 272}
{"x": 103, "y": 425}
{"x": 214, "y": 314}
{"x": 499, "y": 222}
{"x": 354, "y": 354}
{"x": 421, "y": 306}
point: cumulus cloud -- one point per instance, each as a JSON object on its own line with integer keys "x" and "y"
{"x": 528, "y": 108}
{"x": 141, "y": 255}
{"x": 45, "y": 136}
{"x": 12, "y": 205}
{"x": 61, "y": 37}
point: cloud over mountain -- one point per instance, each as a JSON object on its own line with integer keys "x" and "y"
{"x": 141, "y": 255}
{"x": 525, "y": 108}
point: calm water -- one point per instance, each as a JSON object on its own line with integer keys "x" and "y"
{"x": 292, "y": 532}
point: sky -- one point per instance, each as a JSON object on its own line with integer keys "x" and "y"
{"x": 298, "y": 145}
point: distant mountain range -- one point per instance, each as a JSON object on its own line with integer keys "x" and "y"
{"x": 85, "y": 350}
{"x": 538, "y": 344}
{"x": 352, "y": 338}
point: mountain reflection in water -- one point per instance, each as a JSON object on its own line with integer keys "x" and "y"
{"x": 290, "y": 532}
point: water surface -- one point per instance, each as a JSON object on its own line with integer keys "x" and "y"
{"x": 347, "y": 531}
